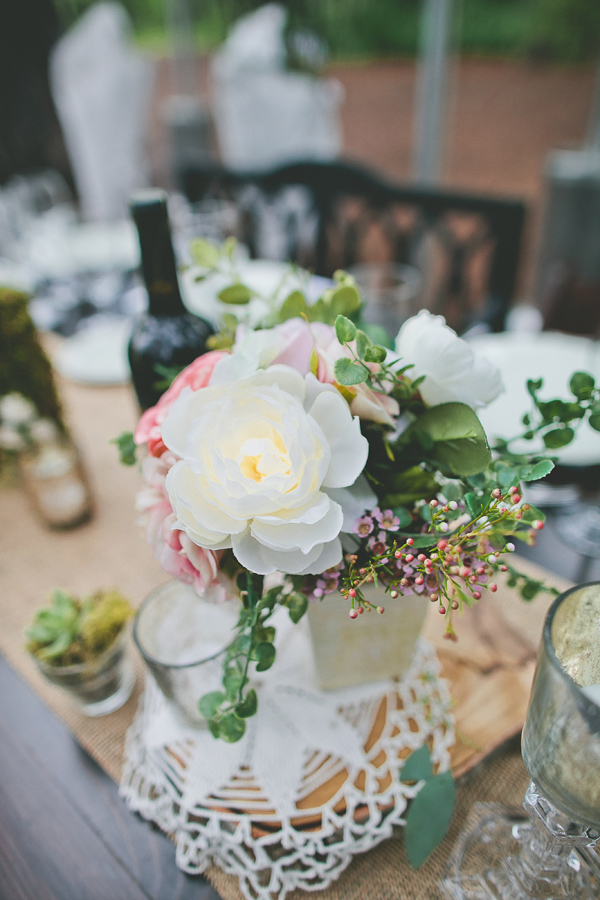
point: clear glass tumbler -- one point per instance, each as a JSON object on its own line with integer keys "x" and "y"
{"x": 183, "y": 639}
{"x": 549, "y": 853}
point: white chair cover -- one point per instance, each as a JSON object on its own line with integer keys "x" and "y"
{"x": 101, "y": 89}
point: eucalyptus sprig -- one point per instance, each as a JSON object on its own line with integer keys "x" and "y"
{"x": 557, "y": 421}
{"x": 227, "y": 710}
{"x": 430, "y": 812}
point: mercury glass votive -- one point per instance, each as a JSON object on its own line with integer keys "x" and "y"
{"x": 183, "y": 639}
{"x": 551, "y": 852}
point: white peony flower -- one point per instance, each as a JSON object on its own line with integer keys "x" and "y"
{"x": 452, "y": 370}
{"x": 258, "y": 459}
{"x": 15, "y": 409}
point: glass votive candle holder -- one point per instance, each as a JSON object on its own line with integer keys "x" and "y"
{"x": 182, "y": 639}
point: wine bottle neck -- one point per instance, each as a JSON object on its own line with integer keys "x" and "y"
{"x": 159, "y": 270}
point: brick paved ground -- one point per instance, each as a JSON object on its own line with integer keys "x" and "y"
{"x": 503, "y": 118}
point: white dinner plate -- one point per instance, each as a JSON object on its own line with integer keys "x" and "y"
{"x": 97, "y": 354}
{"x": 548, "y": 355}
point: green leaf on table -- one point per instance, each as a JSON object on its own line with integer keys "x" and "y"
{"x": 231, "y": 728}
{"x": 417, "y": 766}
{"x": 428, "y": 818}
{"x": 248, "y": 706}
{"x": 558, "y": 437}
{"x": 345, "y": 330}
{"x": 127, "y": 448}
{"x": 264, "y": 653}
{"x": 293, "y": 306}
{"x": 235, "y": 294}
{"x": 582, "y": 385}
{"x": 205, "y": 253}
{"x": 210, "y": 703}
{"x": 349, "y": 373}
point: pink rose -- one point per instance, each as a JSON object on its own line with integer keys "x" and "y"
{"x": 176, "y": 553}
{"x": 196, "y": 375}
{"x": 299, "y": 340}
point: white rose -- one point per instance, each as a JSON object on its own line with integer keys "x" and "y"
{"x": 452, "y": 370}
{"x": 258, "y": 459}
{"x": 15, "y": 409}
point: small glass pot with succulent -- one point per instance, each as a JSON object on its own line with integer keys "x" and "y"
{"x": 81, "y": 645}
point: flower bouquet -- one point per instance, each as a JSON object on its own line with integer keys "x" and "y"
{"x": 307, "y": 458}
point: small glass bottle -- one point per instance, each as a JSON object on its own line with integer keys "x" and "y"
{"x": 54, "y": 477}
{"x": 166, "y": 336}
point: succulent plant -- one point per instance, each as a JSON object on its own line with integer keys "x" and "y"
{"x": 70, "y": 631}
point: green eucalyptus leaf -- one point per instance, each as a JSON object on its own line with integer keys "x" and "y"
{"x": 538, "y": 470}
{"x": 375, "y": 354}
{"x": 231, "y": 728}
{"x": 349, "y": 373}
{"x": 428, "y": 818}
{"x": 417, "y": 766}
{"x": 594, "y": 421}
{"x": 293, "y": 306}
{"x": 235, "y": 294}
{"x": 558, "y": 437}
{"x": 363, "y": 343}
{"x": 127, "y": 448}
{"x": 248, "y": 706}
{"x": 345, "y": 300}
{"x": 232, "y": 682}
{"x": 264, "y": 653}
{"x": 210, "y": 703}
{"x": 345, "y": 330}
{"x": 534, "y": 386}
{"x": 459, "y": 438}
{"x": 582, "y": 385}
{"x": 215, "y": 727}
{"x": 297, "y": 605}
{"x": 205, "y": 253}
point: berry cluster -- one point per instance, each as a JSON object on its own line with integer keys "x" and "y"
{"x": 451, "y": 563}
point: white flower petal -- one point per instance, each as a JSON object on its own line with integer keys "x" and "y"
{"x": 349, "y": 448}
{"x": 287, "y": 536}
{"x": 354, "y": 501}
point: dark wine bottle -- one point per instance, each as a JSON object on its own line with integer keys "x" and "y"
{"x": 166, "y": 336}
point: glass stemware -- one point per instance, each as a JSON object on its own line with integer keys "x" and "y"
{"x": 548, "y": 853}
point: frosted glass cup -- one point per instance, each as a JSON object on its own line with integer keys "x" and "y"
{"x": 183, "y": 639}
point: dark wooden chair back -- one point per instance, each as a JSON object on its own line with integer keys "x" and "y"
{"x": 331, "y": 215}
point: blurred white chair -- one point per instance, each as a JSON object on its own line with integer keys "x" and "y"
{"x": 101, "y": 89}
{"x": 265, "y": 115}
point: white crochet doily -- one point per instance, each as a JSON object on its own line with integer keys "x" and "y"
{"x": 313, "y": 781}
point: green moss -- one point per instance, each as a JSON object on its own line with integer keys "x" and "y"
{"x": 24, "y": 366}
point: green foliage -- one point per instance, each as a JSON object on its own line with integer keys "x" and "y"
{"x": 453, "y": 435}
{"x": 430, "y": 812}
{"x": 556, "y": 421}
{"x": 235, "y": 294}
{"x": 70, "y": 631}
{"x": 24, "y": 366}
{"x": 127, "y": 448}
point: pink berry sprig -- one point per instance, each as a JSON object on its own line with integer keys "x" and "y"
{"x": 453, "y": 572}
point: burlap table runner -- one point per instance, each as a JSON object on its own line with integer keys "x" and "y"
{"x": 111, "y": 551}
